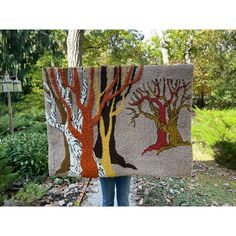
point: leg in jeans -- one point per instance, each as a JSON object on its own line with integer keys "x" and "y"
{"x": 108, "y": 191}
{"x": 122, "y": 190}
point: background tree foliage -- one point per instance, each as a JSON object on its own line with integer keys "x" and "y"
{"x": 26, "y": 52}
{"x": 211, "y": 51}
{"x": 111, "y": 47}
{"x": 21, "y": 49}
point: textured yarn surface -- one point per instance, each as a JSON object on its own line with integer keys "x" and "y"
{"x": 119, "y": 120}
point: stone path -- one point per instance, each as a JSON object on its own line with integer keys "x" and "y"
{"x": 93, "y": 195}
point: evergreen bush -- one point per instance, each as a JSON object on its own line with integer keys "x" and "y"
{"x": 225, "y": 154}
{"x": 7, "y": 178}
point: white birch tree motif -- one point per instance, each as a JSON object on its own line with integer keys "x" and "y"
{"x": 75, "y": 147}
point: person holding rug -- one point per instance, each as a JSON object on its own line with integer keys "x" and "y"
{"x": 122, "y": 186}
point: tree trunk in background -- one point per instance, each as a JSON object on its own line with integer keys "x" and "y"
{"x": 74, "y": 54}
{"x": 74, "y": 47}
{"x": 188, "y": 48}
{"x": 164, "y": 51}
{"x": 202, "y": 102}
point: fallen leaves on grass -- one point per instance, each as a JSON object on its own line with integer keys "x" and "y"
{"x": 208, "y": 186}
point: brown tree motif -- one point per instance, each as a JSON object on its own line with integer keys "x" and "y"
{"x": 65, "y": 165}
{"x": 164, "y": 110}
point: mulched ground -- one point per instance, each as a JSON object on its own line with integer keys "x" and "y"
{"x": 64, "y": 194}
{"x": 209, "y": 185}
{"x": 61, "y": 192}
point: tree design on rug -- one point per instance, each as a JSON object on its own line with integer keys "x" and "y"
{"x": 72, "y": 146}
{"x": 105, "y": 147}
{"x": 164, "y": 110}
{"x": 80, "y": 125}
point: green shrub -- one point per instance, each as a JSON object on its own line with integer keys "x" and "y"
{"x": 33, "y": 114}
{"x": 26, "y": 153}
{"x": 24, "y": 122}
{"x": 39, "y": 127}
{"x": 30, "y": 102}
{"x": 30, "y": 193}
{"x": 225, "y": 154}
{"x": 3, "y": 109}
{"x": 7, "y": 178}
{"x": 19, "y": 122}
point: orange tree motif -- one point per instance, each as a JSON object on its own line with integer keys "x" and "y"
{"x": 164, "y": 110}
{"x": 86, "y": 135}
{"x": 55, "y": 109}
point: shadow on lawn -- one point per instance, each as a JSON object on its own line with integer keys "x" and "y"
{"x": 225, "y": 154}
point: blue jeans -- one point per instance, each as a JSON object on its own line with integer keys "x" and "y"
{"x": 122, "y": 184}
